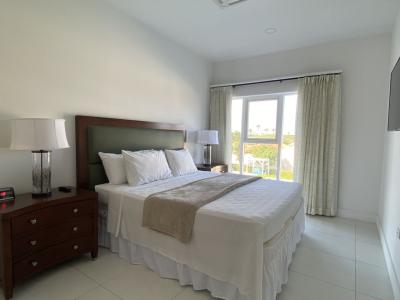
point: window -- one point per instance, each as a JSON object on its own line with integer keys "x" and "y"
{"x": 263, "y": 135}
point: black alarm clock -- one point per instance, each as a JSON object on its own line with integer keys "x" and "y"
{"x": 7, "y": 194}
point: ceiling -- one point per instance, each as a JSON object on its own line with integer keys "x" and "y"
{"x": 239, "y": 31}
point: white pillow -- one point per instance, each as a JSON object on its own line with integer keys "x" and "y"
{"x": 180, "y": 162}
{"x": 145, "y": 166}
{"x": 114, "y": 167}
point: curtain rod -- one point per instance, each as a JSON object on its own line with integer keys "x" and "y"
{"x": 277, "y": 79}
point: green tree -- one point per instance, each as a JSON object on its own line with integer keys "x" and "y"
{"x": 236, "y": 143}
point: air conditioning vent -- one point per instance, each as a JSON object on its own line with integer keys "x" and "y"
{"x": 227, "y": 3}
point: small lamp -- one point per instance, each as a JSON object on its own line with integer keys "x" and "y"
{"x": 207, "y": 138}
{"x": 41, "y": 136}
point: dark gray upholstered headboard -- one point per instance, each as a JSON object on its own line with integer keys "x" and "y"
{"x": 94, "y": 135}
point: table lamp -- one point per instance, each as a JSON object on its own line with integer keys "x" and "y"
{"x": 40, "y": 136}
{"x": 207, "y": 138}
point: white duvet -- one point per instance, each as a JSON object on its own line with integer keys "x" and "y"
{"x": 228, "y": 234}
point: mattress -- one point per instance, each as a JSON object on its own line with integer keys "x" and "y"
{"x": 229, "y": 233}
{"x": 243, "y": 203}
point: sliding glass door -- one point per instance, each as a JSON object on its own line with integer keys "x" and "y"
{"x": 263, "y": 135}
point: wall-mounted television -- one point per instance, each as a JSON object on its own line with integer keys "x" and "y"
{"x": 394, "y": 100}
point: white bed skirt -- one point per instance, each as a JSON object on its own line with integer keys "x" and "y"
{"x": 277, "y": 258}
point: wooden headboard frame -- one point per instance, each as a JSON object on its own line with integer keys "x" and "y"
{"x": 81, "y": 137}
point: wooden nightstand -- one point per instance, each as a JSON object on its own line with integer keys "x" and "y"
{"x": 217, "y": 168}
{"x": 38, "y": 233}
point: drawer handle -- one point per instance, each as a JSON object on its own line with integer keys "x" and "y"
{"x": 33, "y": 243}
{"x": 76, "y": 247}
{"x": 75, "y": 210}
{"x": 33, "y": 221}
{"x": 34, "y": 263}
{"x": 75, "y": 228}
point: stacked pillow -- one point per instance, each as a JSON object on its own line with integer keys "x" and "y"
{"x": 114, "y": 166}
{"x": 141, "y": 167}
{"x": 145, "y": 166}
{"x": 180, "y": 162}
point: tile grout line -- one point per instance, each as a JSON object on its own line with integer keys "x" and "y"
{"x": 86, "y": 292}
{"x": 95, "y": 281}
{"x": 176, "y": 296}
{"x": 111, "y": 292}
{"x": 89, "y": 290}
{"x": 87, "y": 276}
{"x": 120, "y": 297}
{"x": 338, "y": 236}
{"x": 99, "y": 284}
{"x": 355, "y": 261}
{"x": 369, "y": 243}
{"x": 346, "y": 237}
{"x": 333, "y": 234}
{"x": 372, "y": 297}
{"x": 324, "y": 281}
{"x": 372, "y": 265}
{"x": 326, "y": 253}
{"x": 129, "y": 265}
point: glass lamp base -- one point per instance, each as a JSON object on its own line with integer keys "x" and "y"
{"x": 207, "y": 155}
{"x": 35, "y": 195}
{"x": 41, "y": 173}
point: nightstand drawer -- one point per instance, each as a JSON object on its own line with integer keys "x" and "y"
{"x": 35, "y": 242}
{"x": 51, "y": 256}
{"x": 49, "y": 216}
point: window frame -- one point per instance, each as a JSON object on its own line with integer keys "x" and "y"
{"x": 244, "y": 139}
{"x": 278, "y": 125}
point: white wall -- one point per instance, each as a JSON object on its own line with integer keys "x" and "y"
{"x": 365, "y": 83}
{"x": 62, "y": 58}
{"x": 389, "y": 214}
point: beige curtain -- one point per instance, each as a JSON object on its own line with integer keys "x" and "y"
{"x": 318, "y": 142}
{"x": 220, "y": 119}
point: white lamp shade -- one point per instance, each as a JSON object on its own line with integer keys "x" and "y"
{"x": 207, "y": 137}
{"x": 38, "y": 134}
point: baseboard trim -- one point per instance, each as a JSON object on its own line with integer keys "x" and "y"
{"x": 389, "y": 263}
{"x": 357, "y": 215}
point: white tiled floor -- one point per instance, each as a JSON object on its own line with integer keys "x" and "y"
{"x": 338, "y": 259}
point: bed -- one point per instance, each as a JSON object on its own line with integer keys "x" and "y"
{"x": 242, "y": 243}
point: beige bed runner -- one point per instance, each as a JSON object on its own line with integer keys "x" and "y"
{"x": 173, "y": 211}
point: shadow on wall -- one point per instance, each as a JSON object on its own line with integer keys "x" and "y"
{"x": 15, "y": 168}
{"x": 64, "y": 160}
{"x": 195, "y": 149}
{"x": 5, "y": 130}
